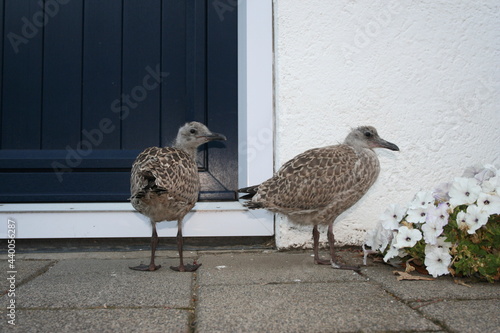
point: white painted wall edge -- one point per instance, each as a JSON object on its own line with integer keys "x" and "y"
{"x": 255, "y": 92}
{"x": 208, "y": 219}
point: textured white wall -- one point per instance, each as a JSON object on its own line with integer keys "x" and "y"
{"x": 426, "y": 74}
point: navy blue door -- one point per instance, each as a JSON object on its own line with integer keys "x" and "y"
{"x": 87, "y": 84}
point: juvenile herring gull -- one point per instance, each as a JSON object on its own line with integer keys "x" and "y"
{"x": 164, "y": 185}
{"x": 315, "y": 187}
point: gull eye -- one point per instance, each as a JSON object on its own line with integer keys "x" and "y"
{"x": 368, "y": 134}
{"x": 192, "y": 131}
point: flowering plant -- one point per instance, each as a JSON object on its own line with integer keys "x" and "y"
{"x": 453, "y": 229}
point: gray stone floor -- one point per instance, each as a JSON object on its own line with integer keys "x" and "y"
{"x": 253, "y": 291}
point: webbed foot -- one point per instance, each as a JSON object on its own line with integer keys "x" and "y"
{"x": 146, "y": 268}
{"x": 186, "y": 268}
{"x": 321, "y": 262}
{"x": 337, "y": 265}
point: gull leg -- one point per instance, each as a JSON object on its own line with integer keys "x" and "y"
{"x": 154, "y": 244}
{"x": 317, "y": 260}
{"x": 180, "y": 243}
{"x": 334, "y": 261}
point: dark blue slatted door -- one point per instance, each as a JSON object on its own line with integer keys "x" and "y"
{"x": 86, "y": 85}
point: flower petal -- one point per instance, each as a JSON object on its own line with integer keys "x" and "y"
{"x": 464, "y": 191}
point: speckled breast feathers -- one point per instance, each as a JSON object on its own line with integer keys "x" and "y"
{"x": 164, "y": 183}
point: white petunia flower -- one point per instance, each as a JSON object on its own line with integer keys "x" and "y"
{"x": 437, "y": 261}
{"x": 393, "y": 251}
{"x": 433, "y": 248}
{"x": 378, "y": 238}
{"x": 475, "y": 218}
{"x": 442, "y": 243}
{"x": 371, "y": 236}
{"x": 417, "y": 210}
{"x": 422, "y": 199}
{"x": 491, "y": 185}
{"x": 439, "y": 214}
{"x": 392, "y": 216}
{"x": 489, "y": 203}
{"x": 417, "y": 214}
{"x": 472, "y": 171}
{"x": 486, "y": 173}
{"x": 441, "y": 192}
{"x": 432, "y": 229}
{"x": 407, "y": 237}
{"x": 464, "y": 191}
{"x": 480, "y": 172}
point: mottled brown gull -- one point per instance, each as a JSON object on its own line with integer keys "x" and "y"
{"x": 164, "y": 185}
{"x": 315, "y": 187}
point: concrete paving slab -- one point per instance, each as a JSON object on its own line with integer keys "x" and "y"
{"x": 304, "y": 307}
{"x": 90, "y": 283}
{"x": 237, "y": 291}
{"x": 99, "y": 320}
{"x": 266, "y": 267}
{"x": 24, "y": 270}
{"x": 466, "y": 315}
{"x": 441, "y": 288}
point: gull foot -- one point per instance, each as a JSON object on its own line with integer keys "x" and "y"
{"x": 145, "y": 268}
{"x": 321, "y": 262}
{"x": 336, "y": 265}
{"x": 186, "y": 268}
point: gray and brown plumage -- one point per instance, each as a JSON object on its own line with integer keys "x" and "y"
{"x": 315, "y": 187}
{"x": 164, "y": 184}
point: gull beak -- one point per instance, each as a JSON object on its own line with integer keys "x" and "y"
{"x": 381, "y": 143}
{"x": 214, "y": 137}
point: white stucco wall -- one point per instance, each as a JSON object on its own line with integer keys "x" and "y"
{"x": 426, "y": 74}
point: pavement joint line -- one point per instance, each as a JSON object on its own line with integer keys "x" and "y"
{"x": 425, "y": 303}
{"x": 436, "y": 300}
{"x": 417, "y": 310}
{"x": 33, "y": 276}
{"x": 193, "y": 303}
{"x": 285, "y": 282}
{"x": 437, "y": 322}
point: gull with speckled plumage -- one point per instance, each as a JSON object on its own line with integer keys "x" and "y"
{"x": 315, "y": 187}
{"x": 165, "y": 184}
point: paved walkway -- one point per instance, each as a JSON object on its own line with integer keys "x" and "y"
{"x": 257, "y": 291}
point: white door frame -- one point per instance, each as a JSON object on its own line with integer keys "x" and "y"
{"x": 208, "y": 219}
